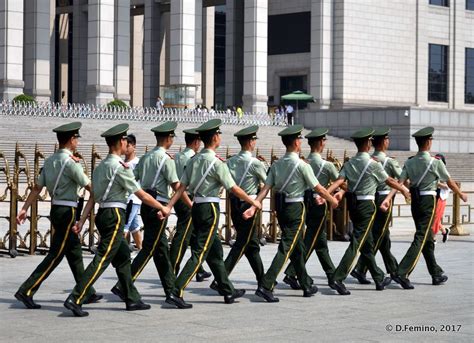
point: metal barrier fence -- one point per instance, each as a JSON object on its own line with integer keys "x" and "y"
{"x": 20, "y": 175}
{"x": 152, "y": 114}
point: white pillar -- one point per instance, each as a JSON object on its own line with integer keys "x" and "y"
{"x": 11, "y": 48}
{"x": 136, "y": 60}
{"x": 255, "y": 55}
{"x": 100, "y": 52}
{"x": 321, "y": 53}
{"x": 182, "y": 46}
{"x": 198, "y": 51}
{"x": 122, "y": 50}
{"x": 234, "y": 33}
{"x": 151, "y": 51}
{"x": 208, "y": 56}
{"x": 79, "y": 53}
{"x": 36, "y": 45}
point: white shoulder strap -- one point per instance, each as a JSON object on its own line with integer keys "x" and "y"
{"x": 362, "y": 175}
{"x": 426, "y": 172}
{"x": 385, "y": 162}
{"x": 109, "y": 186}
{"x": 321, "y": 169}
{"x": 61, "y": 171}
{"x": 208, "y": 170}
{"x": 160, "y": 166}
{"x": 290, "y": 176}
{"x": 246, "y": 171}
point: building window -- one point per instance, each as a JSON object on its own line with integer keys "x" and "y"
{"x": 470, "y": 5}
{"x": 444, "y": 3}
{"x": 438, "y": 73}
{"x": 289, "y": 33}
{"x": 469, "y": 77}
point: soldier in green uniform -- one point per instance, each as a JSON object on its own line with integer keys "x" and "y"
{"x": 156, "y": 172}
{"x": 424, "y": 172}
{"x": 290, "y": 177}
{"x": 203, "y": 177}
{"x": 248, "y": 173}
{"x": 380, "y": 230}
{"x": 62, "y": 175}
{"x": 315, "y": 237}
{"x": 112, "y": 182}
{"x": 364, "y": 175}
{"x": 184, "y": 226}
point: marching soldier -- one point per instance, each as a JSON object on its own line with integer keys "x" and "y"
{"x": 290, "y": 176}
{"x": 184, "y": 226}
{"x": 157, "y": 173}
{"x": 424, "y": 173}
{"x": 363, "y": 174}
{"x": 204, "y": 175}
{"x": 380, "y": 230}
{"x": 315, "y": 237}
{"x": 249, "y": 173}
{"x": 62, "y": 175}
{"x": 112, "y": 182}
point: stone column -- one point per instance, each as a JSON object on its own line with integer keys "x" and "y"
{"x": 11, "y": 49}
{"x": 207, "y": 84}
{"x": 100, "y": 52}
{"x": 255, "y": 56}
{"x": 36, "y": 45}
{"x": 234, "y": 47}
{"x": 122, "y": 50}
{"x": 182, "y": 45}
{"x": 151, "y": 50}
{"x": 198, "y": 51}
{"x": 79, "y": 52}
{"x": 136, "y": 60}
{"x": 321, "y": 53}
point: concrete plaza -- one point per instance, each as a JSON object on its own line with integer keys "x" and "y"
{"x": 365, "y": 315}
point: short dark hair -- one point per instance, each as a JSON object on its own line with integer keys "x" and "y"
{"x": 131, "y": 139}
{"x": 111, "y": 141}
{"x": 189, "y": 138}
{"x": 64, "y": 137}
{"x": 359, "y": 142}
{"x": 244, "y": 139}
{"x": 378, "y": 140}
{"x": 207, "y": 138}
{"x": 420, "y": 141}
{"x": 288, "y": 140}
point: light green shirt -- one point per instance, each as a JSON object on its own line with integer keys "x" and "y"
{"x": 256, "y": 174}
{"x": 352, "y": 169}
{"x": 180, "y": 160}
{"x": 302, "y": 179}
{"x": 217, "y": 177}
{"x": 391, "y": 166}
{"x": 416, "y": 166}
{"x": 123, "y": 185}
{"x": 148, "y": 166}
{"x": 329, "y": 172}
{"x": 72, "y": 178}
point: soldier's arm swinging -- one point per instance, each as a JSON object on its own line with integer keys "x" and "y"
{"x": 21, "y": 217}
{"x": 454, "y": 187}
{"x": 85, "y": 213}
{"x": 326, "y": 195}
{"x": 175, "y": 186}
{"x": 249, "y": 213}
{"x": 388, "y": 199}
{"x": 237, "y": 191}
{"x": 166, "y": 210}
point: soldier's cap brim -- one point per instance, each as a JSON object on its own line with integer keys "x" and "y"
{"x": 117, "y": 130}
{"x": 69, "y": 129}
{"x": 291, "y": 130}
{"x": 317, "y": 133}
{"x": 424, "y": 132}
{"x": 381, "y": 131}
{"x": 248, "y": 132}
{"x": 165, "y": 129}
{"x": 209, "y": 127}
{"x": 363, "y": 133}
{"x": 191, "y": 132}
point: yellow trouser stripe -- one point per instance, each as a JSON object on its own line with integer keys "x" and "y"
{"x": 181, "y": 244}
{"x": 369, "y": 227}
{"x": 152, "y": 251}
{"x": 294, "y": 240}
{"x": 248, "y": 239}
{"x": 384, "y": 229}
{"x": 310, "y": 250}
{"x": 63, "y": 243}
{"x": 99, "y": 267}
{"x": 211, "y": 232}
{"x": 428, "y": 230}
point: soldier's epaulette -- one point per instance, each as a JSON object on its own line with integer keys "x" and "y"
{"x": 75, "y": 158}
{"x": 261, "y": 158}
{"x": 220, "y": 158}
{"x": 171, "y": 156}
{"x": 125, "y": 165}
{"x": 410, "y": 157}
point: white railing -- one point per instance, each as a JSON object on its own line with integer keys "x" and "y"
{"x": 102, "y": 112}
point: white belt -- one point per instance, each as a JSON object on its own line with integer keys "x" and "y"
{"x": 299, "y": 199}
{"x": 64, "y": 203}
{"x": 162, "y": 199}
{"x": 113, "y": 204}
{"x": 428, "y": 193}
{"x": 201, "y": 200}
{"x": 383, "y": 192}
{"x": 365, "y": 197}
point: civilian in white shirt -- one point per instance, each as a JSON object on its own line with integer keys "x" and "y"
{"x": 289, "y": 114}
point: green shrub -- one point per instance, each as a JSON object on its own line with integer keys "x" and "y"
{"x": 117, "y": 103}
{"x": 23, "y": 98}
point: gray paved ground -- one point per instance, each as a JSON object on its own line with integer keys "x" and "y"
{"x": 366, "y": 315}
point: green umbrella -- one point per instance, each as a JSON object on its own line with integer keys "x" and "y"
{"x": 297, "y": 96}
